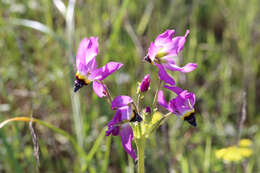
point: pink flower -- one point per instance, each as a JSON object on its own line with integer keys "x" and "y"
{"x": 182, "y": 105}
{"x": 163, "y": 51}
{"x": 119, "y": 125}
{"x": 87, "y": 70}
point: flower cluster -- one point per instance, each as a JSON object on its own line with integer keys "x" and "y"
{"x": 130, "y": 122}
{"x": 235, "y": 153}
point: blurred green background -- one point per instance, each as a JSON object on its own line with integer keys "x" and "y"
{"x": 39, "y": 40}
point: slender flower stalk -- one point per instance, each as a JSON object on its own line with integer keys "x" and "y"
{"x": 156, "y": 95}
{"x": 138, "y": 101}
{"x": 109, "y": 96}
{"x": 140, "y": 144}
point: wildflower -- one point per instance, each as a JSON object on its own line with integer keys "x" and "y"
{"x": 165, "y": 49}
{"x": 182, "y": 105}
{"x": 119, "y": 125}
{"x": 87, "y": 70}
{"x": 245, "y": 142}
{"x": 148, "y": 110}
{"x": 144, "y": 86}
{"x": 233, "y": 153}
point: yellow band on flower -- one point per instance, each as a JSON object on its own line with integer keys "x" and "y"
{"x": 187, "y": 114}
{"x": 82, "y": 77}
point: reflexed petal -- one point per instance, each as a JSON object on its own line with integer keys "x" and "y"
{"x": 92, "y": 65}
{"x": 183, "y": 102}
{"x": 165, "y": 37}
{"x": 100, "y": 89}
{"x": 163, "y": 75}
{"x": 178, "y": 43}
{"x": 189, "y": 96}
{"x": 173, "y": 108}
{"x": 116, "y": 119}
{"x": 153, "y": 50}
{"x": 88, "y": 49}
{"x": 186, "y": 69}
{"x": 103, "y": 72}
{"x": 126, "y": 134}
{"x": 126, "y": 112}
{"x": 121, "y": 101}
{"x": 177, "y": 90}
{"x": 161, "y": 99}
{"x": 114, "y": 130}
{"x": 91, "y": 49}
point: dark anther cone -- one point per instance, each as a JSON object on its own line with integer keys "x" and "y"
{"x": 136, "y": 117}
{"x": 78, "y": 84}
{"x": 146, "y": 58}
{"x": 191, "y": 119}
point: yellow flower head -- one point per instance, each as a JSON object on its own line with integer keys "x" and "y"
{"x": 245, "y": 142}
{"x": 233, "y": 153}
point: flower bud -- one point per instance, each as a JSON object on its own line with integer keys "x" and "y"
{"x": 144, "y": 86}
{"x": 148, "y": 110}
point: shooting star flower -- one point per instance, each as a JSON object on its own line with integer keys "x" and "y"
{"x": 87, "y": 70}
{"x": 182, "y": 105}
{"x": 119, "y": 125}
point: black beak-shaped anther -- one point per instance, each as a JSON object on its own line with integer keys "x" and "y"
{"x": 191, "y": 119}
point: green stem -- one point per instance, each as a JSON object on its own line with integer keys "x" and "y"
{"x": 140, "y": 144}
{"x": 156, "y": 95}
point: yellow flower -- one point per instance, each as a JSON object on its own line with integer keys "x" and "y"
{"x": 245, "y": 142}
{"x": 233, "y": 153}
{"x": 245, "y": 152}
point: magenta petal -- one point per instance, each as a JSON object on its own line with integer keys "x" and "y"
{"x": 116, "y": 119}
{"x": 163, "y": 75}
{"x": 114, "y": 130}
{"x": 100, "y": 89}
{"x": 153, "y": 50}
{"x": 91, "y": 49}
{"x": 178, "y": 42}
{"x": 103, "y": 72}
{"x": 177, "y": 90}
{"x": 186, "y": 69}
{"x": 183, "y": 103}
{"x": 165, "y": 37}
{"x": 125, "y": 112}
{"x": 188, "y": 96}
{"x": 126, "y": 134}
{"x": 120, "y": 101}
{"x": 92, "y": 65}
{"x": 88, "y": 49}
{"x": 161, "y": 99}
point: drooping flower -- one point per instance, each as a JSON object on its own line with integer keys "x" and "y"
{"x": 182, "y": 105}
{"x": 87, "y": 70}
{"x": 119, "y": 125}
{"x": 163, "y": 52}
{"x": 144, "y": 86}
